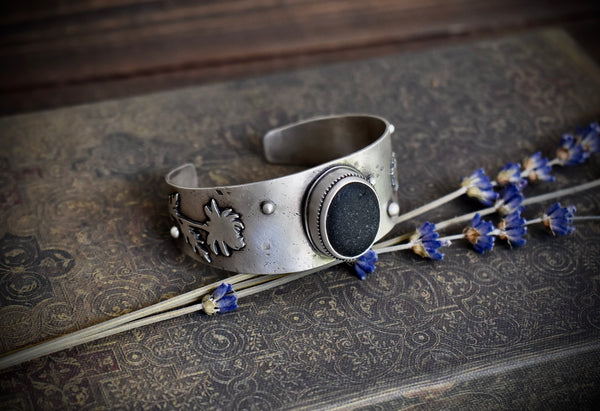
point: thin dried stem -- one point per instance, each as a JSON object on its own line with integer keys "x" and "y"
{"x": 91, "y": 333}
{"x": 430, "y": 206}
{"x": 392, "y": 241}
{"x": 465, "y": 217}
{"x": 42, "y": 349}
{"x": 561, "y": 193}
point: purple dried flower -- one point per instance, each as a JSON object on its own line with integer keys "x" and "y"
{"x": 536, "y": 168}
{"x": 589, "y": 138}
{"x": 510, "y": 200}
{"x": 511, "y": 174}
{"x": 222, "y": 300}
{"x": 365, "y": 264}
{"x": 559, "y": 219}
{"x": 512, "y": 228}
{"x": 569, "y": 152}
{"x": 480, "y": 234}
{"x": 479, "y": 186}
{"x": 425, "y": 242}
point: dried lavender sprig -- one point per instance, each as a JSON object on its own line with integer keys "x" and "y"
{"x": 572, "y": 150}
{"x": 73, "y": 338}
{"x": 509, "y": 202}
{"x": 558, "y": 219}
{"x": 46, "y": 348}
{"x": 144, "y": 316}
{"x": 365, "y": 264}
{"x": 477, "y": 185}
{"x": 247, "y": 283}
{"x": 527, "y": 201}
{"x": 486, "y": 211}
{"x": 481, "y": 234}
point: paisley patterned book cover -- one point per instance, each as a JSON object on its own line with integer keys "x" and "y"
{"x": 84, "y": 237}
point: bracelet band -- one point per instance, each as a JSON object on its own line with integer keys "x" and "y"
{"x": 334, "y": 210}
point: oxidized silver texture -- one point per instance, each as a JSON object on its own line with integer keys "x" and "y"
{"x": 276, "y": 226}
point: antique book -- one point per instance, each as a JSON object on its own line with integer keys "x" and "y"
{"x": 84, "y": 237}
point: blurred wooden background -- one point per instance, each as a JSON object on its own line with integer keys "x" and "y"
{"x": 57, "y": 52}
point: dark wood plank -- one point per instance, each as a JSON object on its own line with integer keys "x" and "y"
{"x": 587, "y": 34}
{"x": 69, "y": 52}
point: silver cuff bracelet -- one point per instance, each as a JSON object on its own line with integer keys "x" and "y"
{"x": 334, "y": 210}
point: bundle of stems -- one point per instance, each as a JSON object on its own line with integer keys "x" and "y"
{"x": 387, "y": 245}
{"x": 245, "y": 285}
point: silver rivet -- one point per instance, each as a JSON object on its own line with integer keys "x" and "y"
{"x": 392, "y": 129}
{"x": 372, "y": 180}
{"x": 174, "y": 232}
{"x": 267, "y": 207}
{"x": 393, "y": 209}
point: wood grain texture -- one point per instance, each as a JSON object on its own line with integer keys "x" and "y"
{"x": 56, "y": 52}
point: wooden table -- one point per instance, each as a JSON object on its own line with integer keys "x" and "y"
{"x": 54, "y": 53}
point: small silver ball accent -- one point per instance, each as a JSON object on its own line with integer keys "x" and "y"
{"x": 393, "y": 209}
{"x": 174, "y": 232}
{"x": 267, "y": 207}
{"x": 372, "y": 180}
{"x": 392, "y": 129}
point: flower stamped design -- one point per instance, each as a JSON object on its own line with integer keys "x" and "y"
{"x": 224, "y": 229}
{"x": 220, "y": 234}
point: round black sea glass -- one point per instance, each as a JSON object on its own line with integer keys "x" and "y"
{"x": 353, "y": 219}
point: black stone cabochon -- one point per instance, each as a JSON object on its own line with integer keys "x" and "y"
{"x": 353, "y": 219}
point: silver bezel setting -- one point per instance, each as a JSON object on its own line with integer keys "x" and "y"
{"x": 318, "y": 200}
